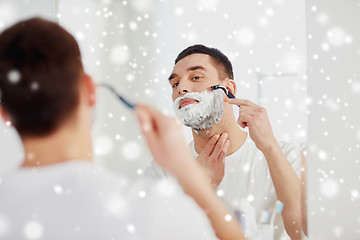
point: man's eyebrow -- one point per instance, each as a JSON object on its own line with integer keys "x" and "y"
{"x": 193, "y": 68}
{"x": 172, "y": 76}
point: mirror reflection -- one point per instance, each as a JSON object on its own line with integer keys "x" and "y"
{"x": 170, "y": 55}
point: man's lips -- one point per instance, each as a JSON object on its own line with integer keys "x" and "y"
{"x": 186, "y": 101}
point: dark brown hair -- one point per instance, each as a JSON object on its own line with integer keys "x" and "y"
{"x": 40, "y": 67}
{"x": 220, "y": 61}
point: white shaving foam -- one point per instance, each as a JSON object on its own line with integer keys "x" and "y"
{"x": 204, "y": 114}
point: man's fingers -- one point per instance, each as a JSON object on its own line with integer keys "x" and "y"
{"x": 158, "y": 121}
{"x": 147, "y": 125}
{"x": 248, "y": 110}
{"x": 241, "y": 102}
{"x": 144, "y": 118}
{"x": 244, "y": 118}
{"x": 222, "y": 155}
{"x": 219, "y": 145}
{"x": 226, "y": 146}
{"x": 209, "y": 147}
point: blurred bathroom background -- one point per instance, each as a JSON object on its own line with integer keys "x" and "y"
{"x": 298, "y": 59}
{"x": 133, "y": 44}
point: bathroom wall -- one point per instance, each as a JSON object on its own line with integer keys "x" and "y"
{"x": 133, "y": 44}
{"x": 334, "y": 120}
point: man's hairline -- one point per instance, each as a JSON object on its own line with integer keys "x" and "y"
{"x": 213, "y": 62}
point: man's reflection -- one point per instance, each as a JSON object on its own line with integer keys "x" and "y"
{"x": 253, "y": 173}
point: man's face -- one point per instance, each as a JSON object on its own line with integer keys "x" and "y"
{"x": 194, "y": 73}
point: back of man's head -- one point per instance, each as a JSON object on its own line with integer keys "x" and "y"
{"x": 40, "y": 68}
{"x": 220, "y": 60}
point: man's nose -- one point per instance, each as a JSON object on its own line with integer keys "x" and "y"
{"x": 182, "y": 89}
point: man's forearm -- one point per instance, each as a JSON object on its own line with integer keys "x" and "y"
{"x": 288, "y": 189}
{"x": 222, "y": 220}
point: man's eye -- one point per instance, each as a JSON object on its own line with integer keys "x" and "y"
{"x": 175, "y": 85}
{"x": 196, "y": 78}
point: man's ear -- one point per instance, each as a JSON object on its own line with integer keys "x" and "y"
{"x": 90, "y": 89}
{"x": 4, "y": 115}
{"x": 230, "y": 85}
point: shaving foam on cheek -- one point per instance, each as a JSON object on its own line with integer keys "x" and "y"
{"x": 204, "y": 114}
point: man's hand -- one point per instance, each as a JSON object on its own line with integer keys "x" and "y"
{"x": 212, "y": 157}
{"x": 167, "y": 144}
{"x": 164, "y": 137}
{"x": 256, "y": 118}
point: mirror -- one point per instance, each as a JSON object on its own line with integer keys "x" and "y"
{"x": 132, "y": 45}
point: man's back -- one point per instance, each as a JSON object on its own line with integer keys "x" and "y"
{"x": 76, "y": 200}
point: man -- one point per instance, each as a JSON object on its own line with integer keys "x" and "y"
{"x": 58, "y": 193}
{"x": 241, "y": 166}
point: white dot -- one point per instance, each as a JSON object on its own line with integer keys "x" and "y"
{"x": 288, "y": 102}
{"x": 34, "y": 86}
{"x": 141, "y": 5}
{"x": 131, "y": 228}
{"x": 130, "y": 77}
{"x": 33, "y": 230}
{"x": 133, "y": 26}
{"x": 337, "y": 231}
{"x": 116, "y": 205}
{"x": 336, "y": 36}
{"x": 165, "y": 188}
{"x": 322, "y": 155}
{"x": 58, "y": 189}
{"x": 246, "y": 167}
{"x": 130, "y": 150}
{"x": 269, "y": 12}
{"x": 355, "y": 194}
{"x": 322, "y": 19}
{"x": 119, "y": 54}
{"x": 103, "y": 145}
{"x": 79, "y": 36}
{"x": 245, "y": 36}
{"x": 348, "y": 39}
{"x": 325, "y": 47}
{"x": 250, "y": 198}
{"x": 142, "y": 194}
{"x": 302, "y": 133}
{"x": 179, "y": 11}
{"x": 14, "y": 76}
{"x": 208, "y": 5}
{"x": 329, "y": 188}
{"x": 220, "y": 192}
{"x": 355, "y": 87}
{"x": 228, "y": 217}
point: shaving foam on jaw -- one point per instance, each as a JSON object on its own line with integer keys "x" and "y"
{"x": 202, "y": 115}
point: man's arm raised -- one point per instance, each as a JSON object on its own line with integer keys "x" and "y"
{"x": 167, "y": 144}
{"x": 287, "y": 184}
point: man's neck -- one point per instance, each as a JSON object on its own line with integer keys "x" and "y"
{"x": 236, "y": 136}
{"x": 61, "y": 146}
